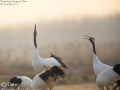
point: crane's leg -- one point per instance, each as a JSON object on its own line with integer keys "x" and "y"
{"x": 38, "y": 88}
{"x": 107, "y": 88}
{"x": 55, "y": 82}
{"x": 100, "y": 87}
{"x": 17, "y": 88}
{"x": 115, "y": 88}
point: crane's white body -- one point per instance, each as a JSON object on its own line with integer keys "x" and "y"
{"x": 26, "y": 81}
{"x": 39, "y": 84}
{"x": 98, "y": 66}
{"x": 41, "y": 64}
{"x": 106, "y": 78}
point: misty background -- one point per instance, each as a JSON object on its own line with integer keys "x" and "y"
{"x": 64, "y": 39}
{"x": 104, "y": 29}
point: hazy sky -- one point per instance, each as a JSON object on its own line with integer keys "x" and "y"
{"x": 33, "y": 11}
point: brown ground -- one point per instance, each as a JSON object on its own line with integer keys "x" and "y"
{"x": 77, "y": 87}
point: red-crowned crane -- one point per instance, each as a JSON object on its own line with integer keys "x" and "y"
{"x": 40, "y": 63}
{"x": 98, "y": 66}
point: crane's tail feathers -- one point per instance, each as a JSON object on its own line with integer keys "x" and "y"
{"x": 59, "y": 60}
{"x": 51, "y": 54}
{"x": 57, "y": 71}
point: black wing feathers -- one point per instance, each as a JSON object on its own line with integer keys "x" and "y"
{"x": 15, "y": 81}
{"x": 44, "y": 76}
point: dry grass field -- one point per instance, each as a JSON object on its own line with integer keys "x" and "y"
{"x": 89, "y": 86}
{"x": 77, "y": 87}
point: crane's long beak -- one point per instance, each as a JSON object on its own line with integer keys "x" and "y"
{"x": 87, "y": 36}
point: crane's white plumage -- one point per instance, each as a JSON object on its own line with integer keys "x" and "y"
{"x": 41, "y": 64}
{"x": 26, "y": 81}
{"x": 98, "y": 66}
{"x": 44, "y": 63}
{"x": 108, "y": 76}
{"x": 37, "y": 82}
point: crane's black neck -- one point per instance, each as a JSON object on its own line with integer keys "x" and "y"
{"x": 93, "y": 44}
{"x": 35, "y": 43}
